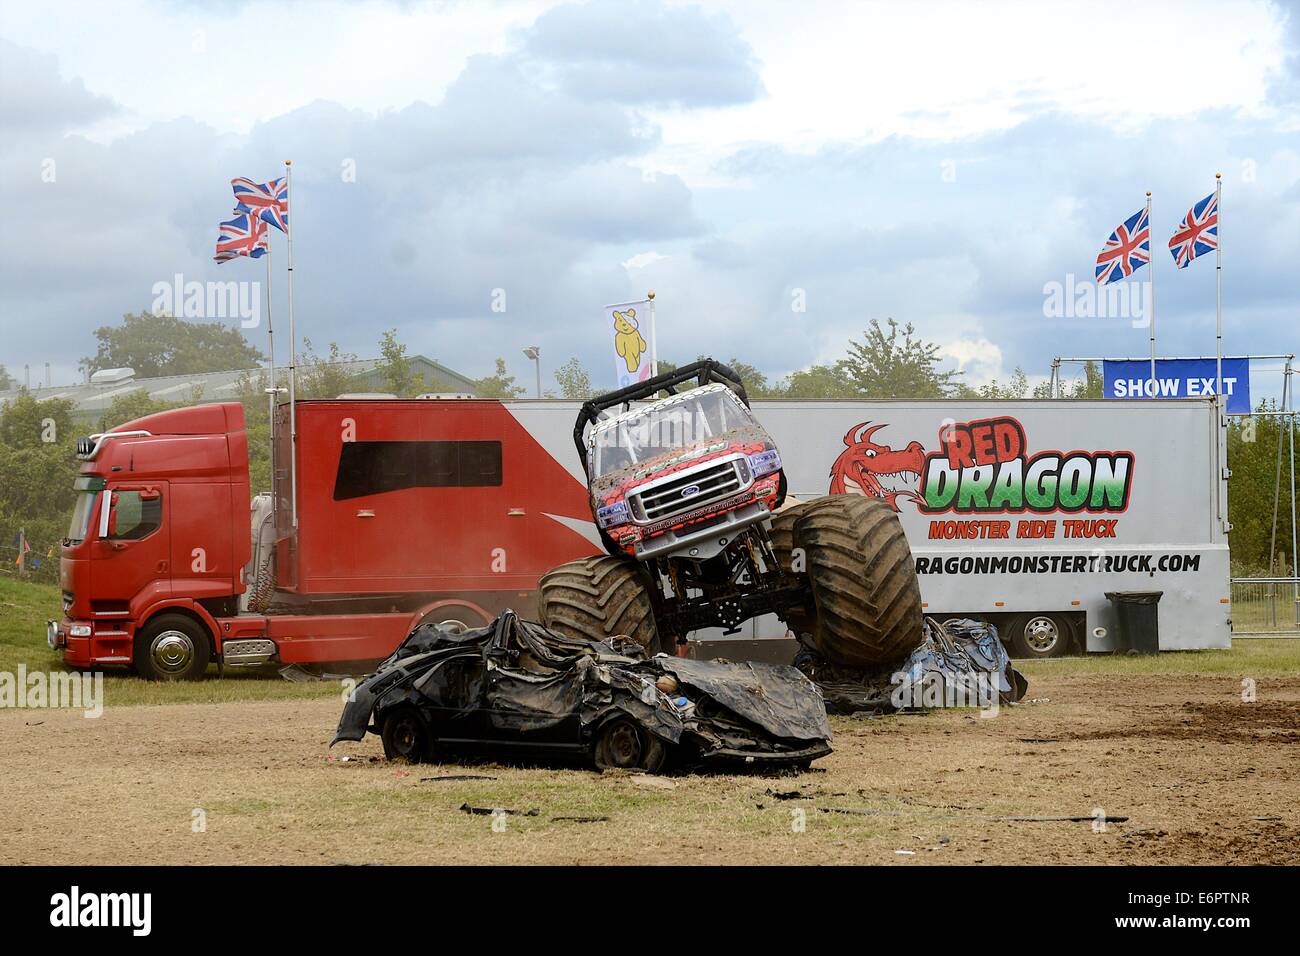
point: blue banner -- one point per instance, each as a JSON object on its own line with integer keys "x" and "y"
{"x": 1180, "y": 378}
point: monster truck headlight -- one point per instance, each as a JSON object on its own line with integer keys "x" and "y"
{"x": 765, "y": 462}
{"x": 609, "y": 515}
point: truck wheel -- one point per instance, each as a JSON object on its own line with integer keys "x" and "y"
{"x": 596, "y": 598}
{"x": 623, "y": 744}
{"x": 172, "y": 647}
{"x": 1039, "y": 636}
{"x": 406, "y": 736}
{"x": 863, "y": 581}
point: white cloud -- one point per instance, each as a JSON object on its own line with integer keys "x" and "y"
{"x": 642, "y": 259}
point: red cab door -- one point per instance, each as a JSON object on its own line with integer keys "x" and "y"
{"x": 132, "y": 547}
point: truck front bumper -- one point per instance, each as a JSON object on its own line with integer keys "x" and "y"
{"x": 82, "y": 646}
{"x": 706, "y": 542}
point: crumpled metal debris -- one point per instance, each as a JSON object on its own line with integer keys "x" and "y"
{"x": 958, "y": 663}
{"x": 514, "y": 685}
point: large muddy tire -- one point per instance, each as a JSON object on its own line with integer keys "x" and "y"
{"x": 596, "y": 598}
{"x": 863, "y": 581}
{"x": 798, "y": 619}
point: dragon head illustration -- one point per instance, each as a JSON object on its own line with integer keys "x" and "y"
{"x": 877, "y": 471}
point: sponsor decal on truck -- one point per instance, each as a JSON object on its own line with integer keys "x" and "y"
{"x": 984, "y": 467}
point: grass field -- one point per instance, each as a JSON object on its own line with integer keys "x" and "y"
{"x": 24, "y": 609}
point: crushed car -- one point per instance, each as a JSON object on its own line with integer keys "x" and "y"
{"x": 959, "y": 662}
{"x": 516, "y": 688}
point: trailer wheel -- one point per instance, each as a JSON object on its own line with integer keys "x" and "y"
{"x": 406, "y": 736}
{"x": 596, "y": 598}
{"x": 863, "y": 581}
{"x": 623, "y": 744}
{"x": 1040, "y": 636}
{"x": 172, "y": 647}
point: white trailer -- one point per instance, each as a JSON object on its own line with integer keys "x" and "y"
{"x": 1023, "y": 513}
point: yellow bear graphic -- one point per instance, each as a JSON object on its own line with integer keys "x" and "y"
{"x": 628, "y": 342}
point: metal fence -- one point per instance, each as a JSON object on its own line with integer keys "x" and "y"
{"x": 1266, "y": 607}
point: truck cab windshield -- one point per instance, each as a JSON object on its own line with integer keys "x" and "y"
{"x": 87, "y": 490}
{"x": 667, "y": 426}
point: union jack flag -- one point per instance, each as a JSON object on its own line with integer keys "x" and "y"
{"x": 244, "y": 235}
{"x": 1198, "y": 233}
{"x": 1127, "y": 249}
{"x": 269, "y": 201}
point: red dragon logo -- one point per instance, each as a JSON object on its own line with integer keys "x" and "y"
{"x": 877, "y": 471}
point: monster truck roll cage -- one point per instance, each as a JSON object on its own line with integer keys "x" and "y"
{"x": 697, "y": 374}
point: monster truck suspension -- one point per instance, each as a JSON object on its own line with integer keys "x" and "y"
{"x": 742, "y": 582}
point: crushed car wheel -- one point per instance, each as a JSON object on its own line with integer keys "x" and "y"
{"x": 596, "y": 598}
{"x": 863, "y": 580}
{"x": 622, "y": 744}
{"x": 406, "y": 736}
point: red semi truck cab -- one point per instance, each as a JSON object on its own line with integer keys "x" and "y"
{"x": 160, "y": 522}
{"x": 407, "y": 511}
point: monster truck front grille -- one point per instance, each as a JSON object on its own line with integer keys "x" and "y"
{"x": 674, "y": 495}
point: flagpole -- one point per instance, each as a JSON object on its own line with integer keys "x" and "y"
{"x": 1151, "y": 278}
{"x": 654, "y": 345}
{"x": 293, "y": 349}
{"x": 270, "y": 348}
{"x": 1219, "y": 400}
{"x": 1218, "y": 292}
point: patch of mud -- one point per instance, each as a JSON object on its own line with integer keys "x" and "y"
{"x": 1235, "y": 722}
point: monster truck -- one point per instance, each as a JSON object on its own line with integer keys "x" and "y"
{"x": 690, "y": 498}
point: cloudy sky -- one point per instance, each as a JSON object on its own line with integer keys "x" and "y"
{"x": 938, "y": 163}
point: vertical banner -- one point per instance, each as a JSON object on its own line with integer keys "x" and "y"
{"x": 630, "y": 328}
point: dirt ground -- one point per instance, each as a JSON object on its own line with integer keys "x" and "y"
{"x": 1201, "y": 777}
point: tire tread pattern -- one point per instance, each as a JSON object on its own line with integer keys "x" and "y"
{"x": 596, "y": 598}
{"x": 863, "y": 580}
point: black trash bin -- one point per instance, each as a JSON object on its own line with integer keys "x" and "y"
{"x": 1139, "y": 620}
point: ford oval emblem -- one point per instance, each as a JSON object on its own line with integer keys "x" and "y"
{"x": 690, "y": 490}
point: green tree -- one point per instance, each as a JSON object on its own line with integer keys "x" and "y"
{"x": 156, "y": 345}
{"x": 133, "y": 405}
{"x": 817, "y": 381}
{"x": 27, "y": 423}
{"x": 37, "y": 468}
{"x": 1090, "y": 386}
{"x": 251, "y": 392}
{"x": 320, "y": 377}
{"x": 6, "y": 382}
{"x": 1017, "y": 386}
{"x": 896, "y": 364}
{"x": 573, "y": 380}
{"x": 396, "y": 370}
{"x": 1260, "y": 545}
{"x": 755, "y": 382}
{"x": 500, "y": 385}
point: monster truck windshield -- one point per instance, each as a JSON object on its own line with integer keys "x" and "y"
{"x": 669, "y": 425}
